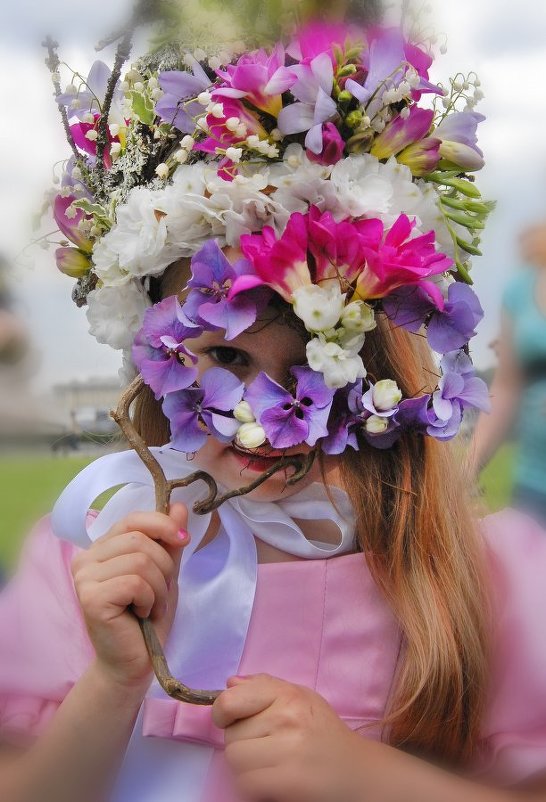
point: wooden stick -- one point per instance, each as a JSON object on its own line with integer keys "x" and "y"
{"x": 163, "y": 491}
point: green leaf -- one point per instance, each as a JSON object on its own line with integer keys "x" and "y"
{"x": 143, "y": 108}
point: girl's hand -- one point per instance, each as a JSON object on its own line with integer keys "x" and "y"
{"x": 135, "y": 564}
{"x": 285, "y": 743}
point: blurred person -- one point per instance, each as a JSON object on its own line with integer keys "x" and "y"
{"x": 519, "y": 386}
{"x": 13, "y": 336}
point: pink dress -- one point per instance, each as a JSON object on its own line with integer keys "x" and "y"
{"x": 322, "y": 624}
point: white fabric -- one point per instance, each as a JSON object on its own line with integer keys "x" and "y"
{"x": 218, "y": 585}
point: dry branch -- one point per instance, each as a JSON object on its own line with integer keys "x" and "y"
{"x": 163, "y": 491}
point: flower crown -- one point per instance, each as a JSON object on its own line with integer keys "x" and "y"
{"x": 342, "y": 176}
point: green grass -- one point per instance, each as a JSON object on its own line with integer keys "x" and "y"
{"x": 496, "y": 480}
{"x": 28, "y": 488}
{"x": 30, "y": 485}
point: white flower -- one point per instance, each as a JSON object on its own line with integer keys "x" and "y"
{"x": 128, "y": 370}
{"x": 377, "y": 425}
{"x": 92, "y": 135}
{"x": 320, "y": 308}
{"x": 234, "y": 154}
{"x": 137, "y": 244}
{"x": 338, "y": 366}
{"x": 358, "y": 317}
{"x": 162, "y": 170}
{"x": 115, "y": 314}
{"x": 187, "y": 142}
{"x": 386, "y": 395}
{"x": 243, "y": 413}
{"x": 204, "y": 98}
{"x": 181, "y": 156}
{"x": 251, "y": 435}
{"x": 300, "y": 183}
{"x": 242, "y": 207}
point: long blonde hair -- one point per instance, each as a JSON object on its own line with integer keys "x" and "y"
{"x": 415, "y": 526}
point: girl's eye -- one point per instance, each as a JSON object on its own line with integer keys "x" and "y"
{"x": 227, "y": 356}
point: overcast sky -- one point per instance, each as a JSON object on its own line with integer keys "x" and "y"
{"x": 503, "y": 42}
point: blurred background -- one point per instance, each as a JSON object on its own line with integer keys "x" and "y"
{"x": 57, "y": 384}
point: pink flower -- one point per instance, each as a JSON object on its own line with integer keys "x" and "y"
{"x": 323, "y": 37}
{"x": 280, "y": 263}
{"x": 80, "y": 133}
{"x": 221, "y": 137}
{"x": 70, "y": 225}
{"x": 249, "y": 79}
{"x": 333, "y": 146}
{"x": 398, "y": 261}
{"x": 313, "y": 249}
{"x": 339, "y": 249}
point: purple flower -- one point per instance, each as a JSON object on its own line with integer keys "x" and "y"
{"x": 313, "y": 89}
{"x": 197, "y": 411}
{"x": 343, "y": 421}
{"x": 179, "y": 85}
{"x": 459, "y": 388}
{"x": 385, "y": 66}
{"x": 159, "y": 351}
{"x": 209, "y": 301}
{"x": 333, "y": 146}
{"x": 458, "y": 134}
{"x": 449, "y": 328}
{"x": 413, "y": 414}
{"x": 290, "y": 420}
{"x": 90, "y": 98}
{"x": 388, "y": 61}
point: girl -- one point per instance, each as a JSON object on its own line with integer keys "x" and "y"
{"x": 375, "y": 643}
{"x": 394, "y": 633}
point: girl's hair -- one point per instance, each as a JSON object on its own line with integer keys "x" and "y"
{"x": 415, "y": 527}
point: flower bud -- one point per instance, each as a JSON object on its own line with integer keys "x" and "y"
{"x": 386, "y": 395}
{"x": 345, "y": 96}
{"x": 377, "y": 425}
{"x": 162, "y": 170}
{"x": 72, "y": 262}
{"x": 354, "y": 119}
{"x": 251, "y": 435}
{"x": 358, "y": 317}
{"x": 243, "y": 413}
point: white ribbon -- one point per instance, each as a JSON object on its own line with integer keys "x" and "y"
{"x": 218, "y": 584}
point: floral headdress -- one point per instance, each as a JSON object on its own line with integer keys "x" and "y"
{"x": 343, "y": 176}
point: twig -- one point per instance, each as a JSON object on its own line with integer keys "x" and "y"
{"x": 163, "y": 491}
{"x": 53, "y": 65}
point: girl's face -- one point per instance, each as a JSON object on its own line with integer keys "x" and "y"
{"x": 273, "y": 347}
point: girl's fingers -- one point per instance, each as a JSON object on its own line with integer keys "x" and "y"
{"x": 103, "y": 601}
{"x": 133, "y": 542}
{"x": 256, "y": 753}
{"x": 258, "y": 726}
{"x": 155, "y": 525}
{"x": 138, "y": 564}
